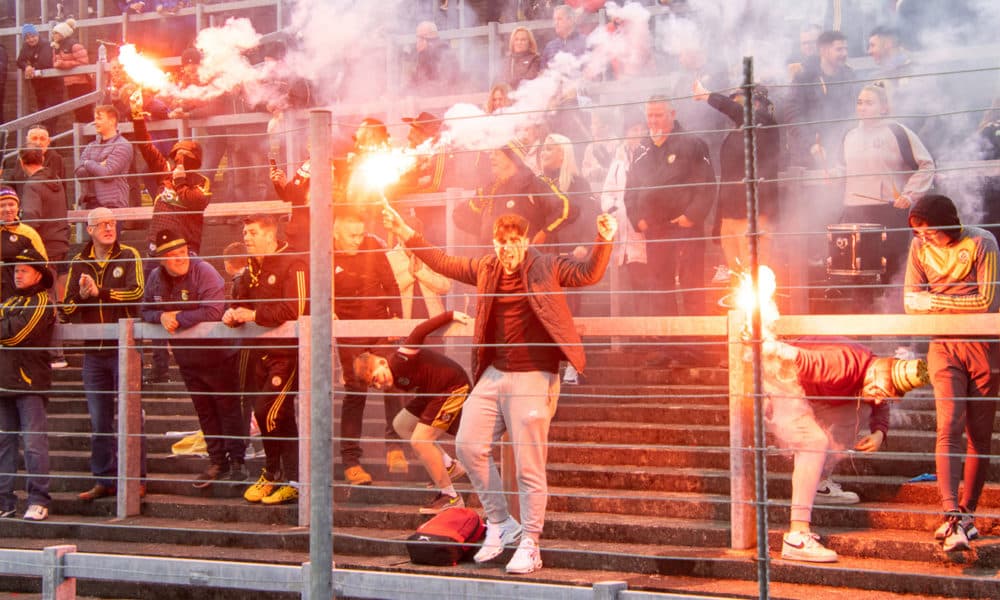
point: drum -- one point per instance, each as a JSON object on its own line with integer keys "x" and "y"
{"x": 855, "y": 249}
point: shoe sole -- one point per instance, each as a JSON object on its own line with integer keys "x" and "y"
{"x": 971, "y": 533}
{"x": 284, "y": 501}
{"x": 437, "y": 511}
{"x": 957, "y": 547}
{"x": 836, "y": 501}
{"x": 807, "y": 557}
{"x": 534, "y": 567}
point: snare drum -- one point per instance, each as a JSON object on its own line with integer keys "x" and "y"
{"x": 855, "y": 249}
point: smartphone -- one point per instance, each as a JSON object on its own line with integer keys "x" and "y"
{"x": 273, "y": 163}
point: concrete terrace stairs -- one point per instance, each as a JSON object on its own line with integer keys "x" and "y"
{"x": 639, "y": 484}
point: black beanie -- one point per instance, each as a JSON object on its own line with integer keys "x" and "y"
{"x": 938, "y": 212}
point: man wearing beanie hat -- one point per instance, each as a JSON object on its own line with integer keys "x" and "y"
{"x": 69, "y": 53}
{"x": 15, "y": 237}
{"x": 183, "y": 194}
{"x": 182, "y": 291}
{"x": 33, "y": 58}
{"x": 26, "y": 323}
{"x": 953, "y": 269}
{"x": 817, "y": 394}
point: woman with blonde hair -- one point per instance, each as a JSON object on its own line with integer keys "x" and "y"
{"x": 886, "y": 170}
{"x": 571, "y": 208}
{"x": 498, "y": 99}
{"x": 523, "y": 60}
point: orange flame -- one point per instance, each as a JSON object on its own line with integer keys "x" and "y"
{"x": 380, "y": 169}
{"x": 141, "y": 69}
{"x": 747, "y": 300}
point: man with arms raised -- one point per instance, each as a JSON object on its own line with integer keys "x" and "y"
{"x": 523, "y": 329}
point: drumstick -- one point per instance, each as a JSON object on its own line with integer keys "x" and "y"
{"x": 871, "y": 198}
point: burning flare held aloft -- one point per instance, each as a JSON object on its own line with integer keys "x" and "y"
{"x": 378, "y": 169}
{"x": 143, "y": 70}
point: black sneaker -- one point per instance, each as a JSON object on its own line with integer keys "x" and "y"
{"x": 237, "y": 472}
{"x": 156, "y": 377}
{"x": 442, "y": 503}
{"x": 212, "y": 473}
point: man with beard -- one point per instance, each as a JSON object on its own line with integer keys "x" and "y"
{"x": 273, "y": 290}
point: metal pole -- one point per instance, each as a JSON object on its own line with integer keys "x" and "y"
{"x": 22, "y": 89}
{"x": 102, "y": 69}
{"x": 321, "y": 356}
{"x": 760, "y": 455}
{"x": 493, "y": 52}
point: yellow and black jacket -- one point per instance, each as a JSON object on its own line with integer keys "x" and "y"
{"x": 14, "y": 238}
{"x": 121, "y": 284}
{"x": 26, "y": 323}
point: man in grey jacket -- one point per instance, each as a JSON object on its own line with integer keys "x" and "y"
{"x": 104, "y": 163}
{"x": 523, "y": 329}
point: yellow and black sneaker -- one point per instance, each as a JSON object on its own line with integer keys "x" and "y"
{"x": 285, "y": 493}
{"x": 260, "y": 490}
{"x": 356, "y": 475}
{"x": 442, "y": 503}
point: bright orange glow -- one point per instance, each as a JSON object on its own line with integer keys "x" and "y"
{"x": 380, "y": 169}
{"x": 142, "y": 70}
{"x": 746, "y": 300}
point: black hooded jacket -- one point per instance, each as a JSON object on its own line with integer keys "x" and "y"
{"x": 43, "y": 206}
{"x": 180, "y": 203}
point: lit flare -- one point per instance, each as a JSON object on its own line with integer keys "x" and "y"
{"x": 379, "y": 169}
{"x": 142, "y": 70}
{"x": 747, "y": 300}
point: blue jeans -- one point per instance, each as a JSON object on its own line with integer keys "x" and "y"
{"x": 24, "y": 416}
{"x": 100, "y": 378}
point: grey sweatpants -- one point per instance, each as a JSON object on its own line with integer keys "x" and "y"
{"x": 521, "y": 404}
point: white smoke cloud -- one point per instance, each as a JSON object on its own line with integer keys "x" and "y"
{"x": 224, "y": 64}
{"x": 468, "y": 127}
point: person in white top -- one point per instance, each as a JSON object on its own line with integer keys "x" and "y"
{"x": 886, "y": 169}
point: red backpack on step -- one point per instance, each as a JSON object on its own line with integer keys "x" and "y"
{"x": 447, "y": 538}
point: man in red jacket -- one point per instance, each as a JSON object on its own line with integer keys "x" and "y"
{"x": 817, "y": 393}
{"x": 523, "y": 329}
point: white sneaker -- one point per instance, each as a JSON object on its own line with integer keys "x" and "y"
{"x": 967, "y": 524}
{"x": 805, "y": 546}
{"x": 830, "y": 492}
{"x": 955, "y": 537}
{"x": 36, "y": 512}
{"x": 527, "y": 559}
{"x": 498, "y": 535}
{"x": 59, "y": 363}
{"x": 571, "y": 376}
{"x": 722, "y": 274}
